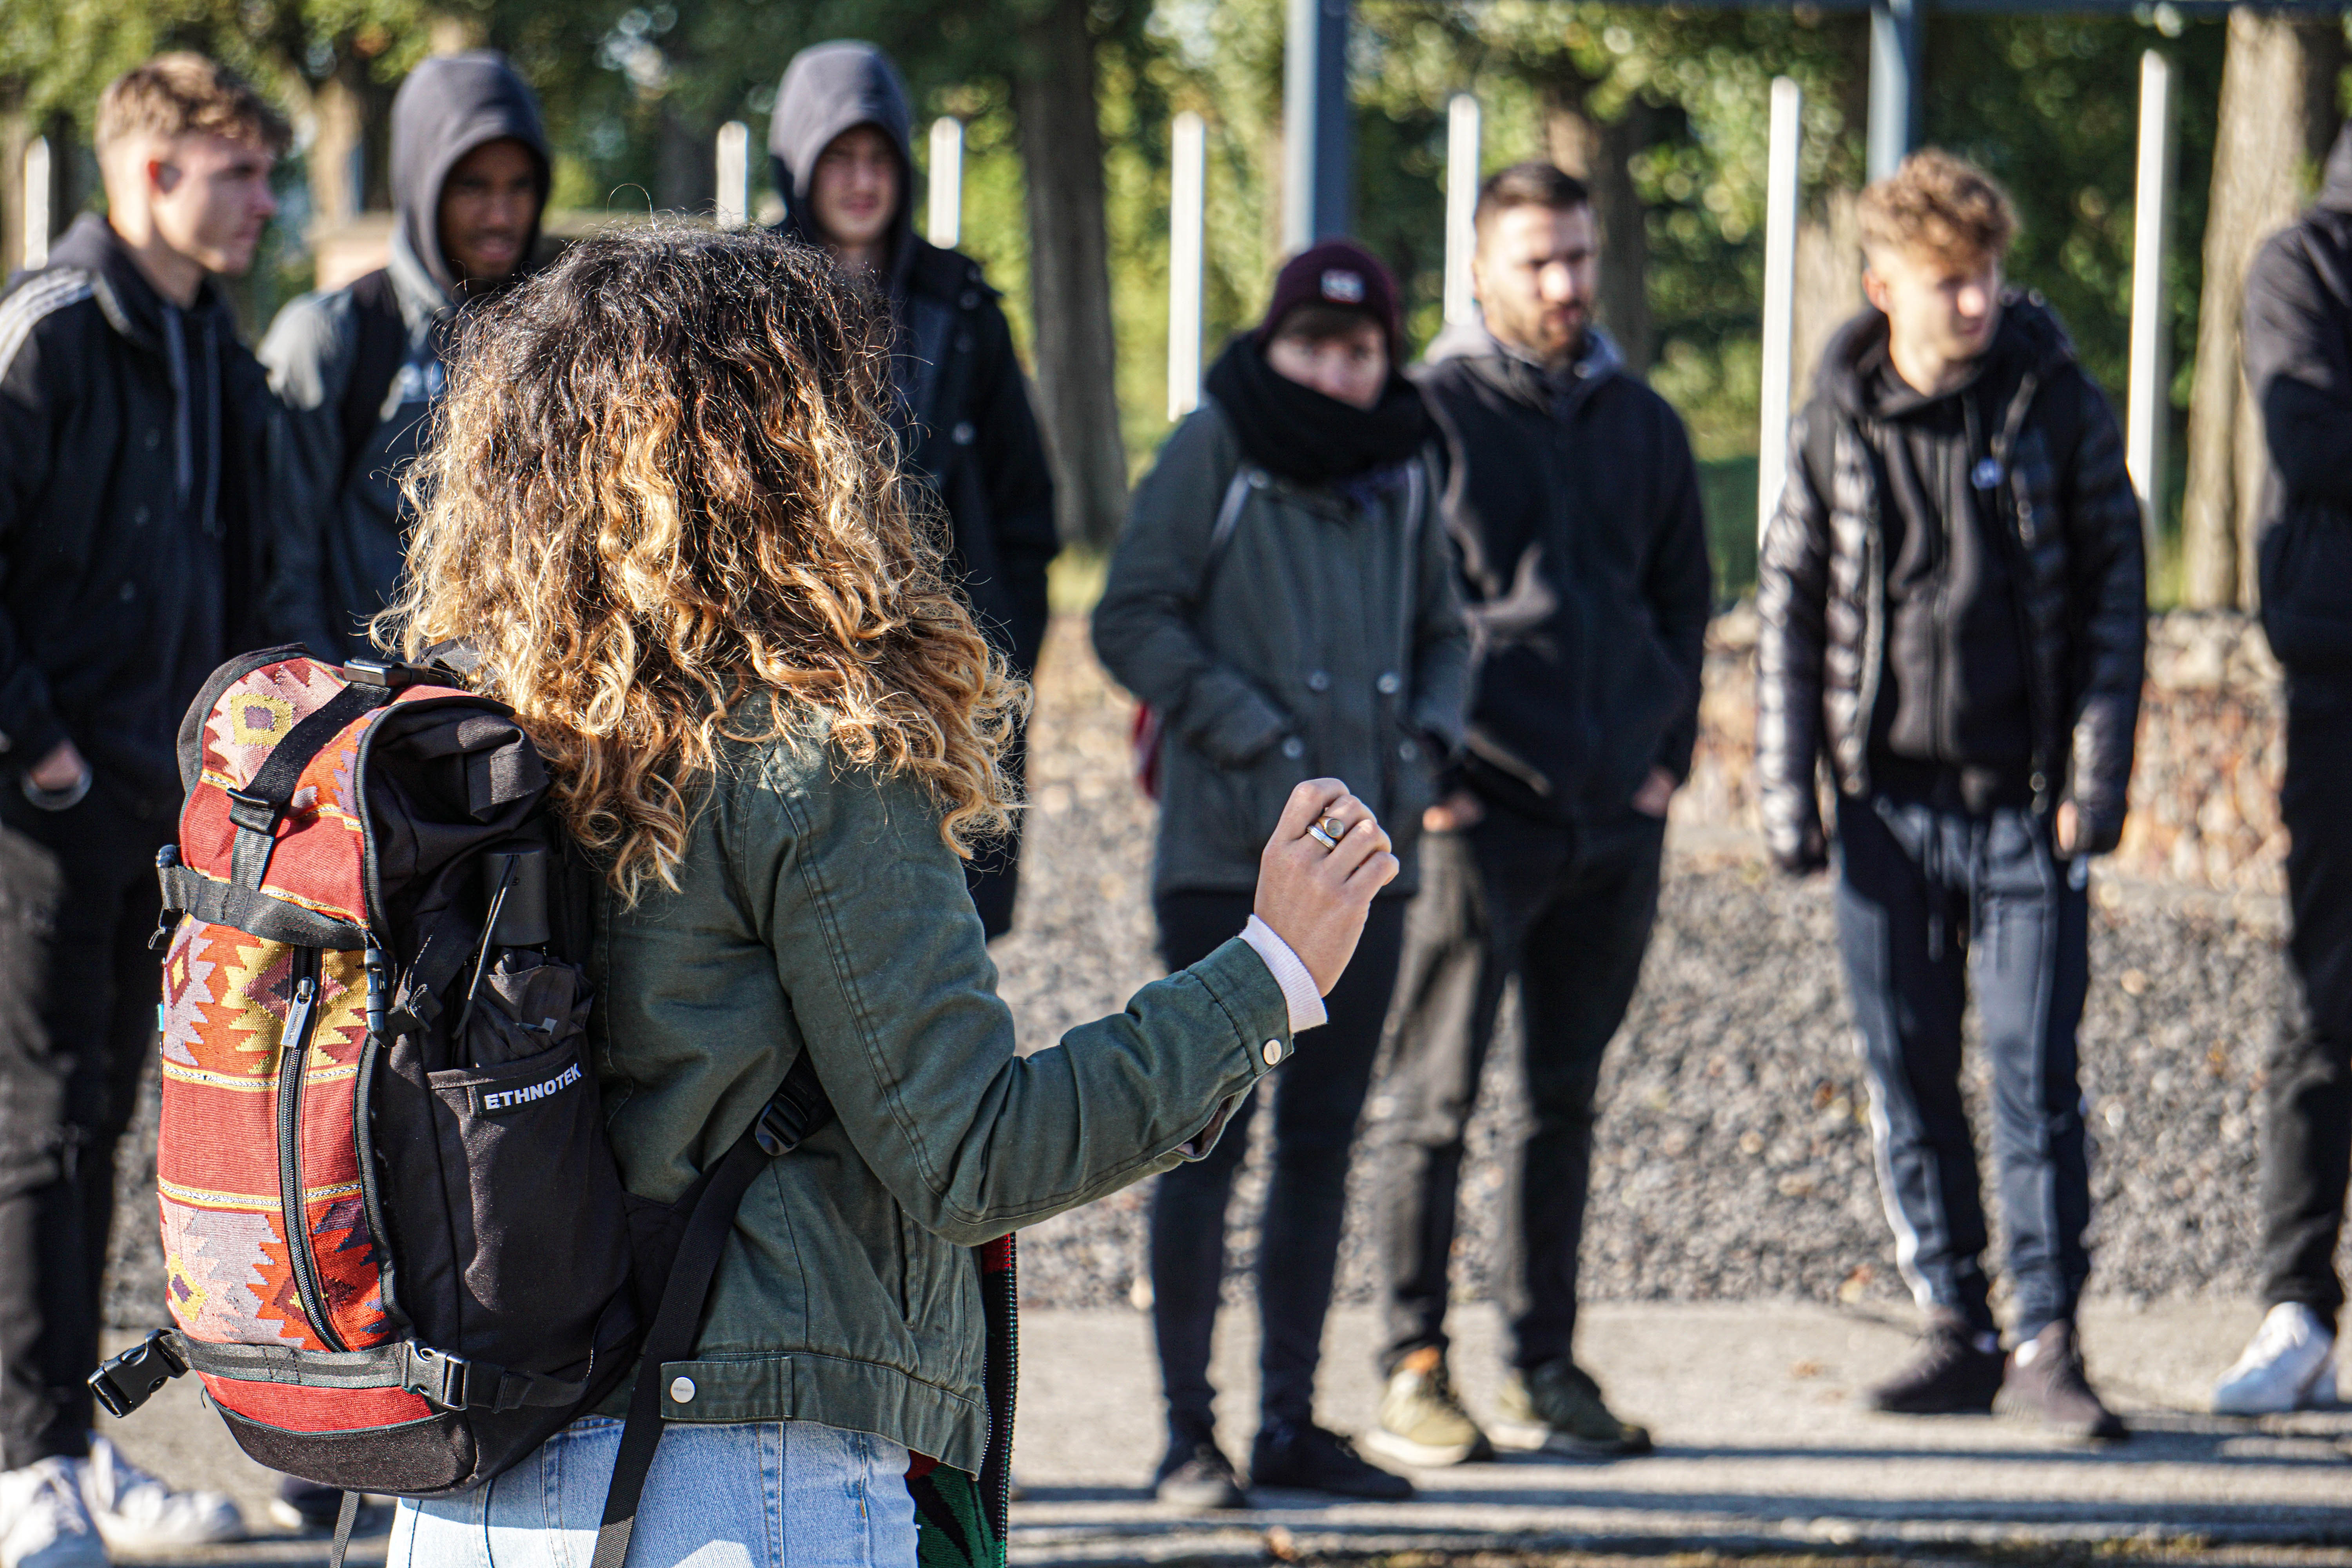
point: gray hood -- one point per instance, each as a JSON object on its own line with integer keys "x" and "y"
{"x": 1558, "y": 392}
{"x": 450, "y": 105}
{"x": 829, "y": 89}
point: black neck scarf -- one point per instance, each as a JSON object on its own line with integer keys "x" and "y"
{"x": 1300, "y": 435}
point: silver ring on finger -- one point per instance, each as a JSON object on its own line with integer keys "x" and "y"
{"x": 1314, "y": 831}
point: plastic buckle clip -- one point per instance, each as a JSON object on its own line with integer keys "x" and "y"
{"x": 252, "y": 811}
{"x": 439, "y": 1376}
{"x": 123, "y": 1383}
{"x": 383, "y": 674}
{"x": 782, "y": 1126}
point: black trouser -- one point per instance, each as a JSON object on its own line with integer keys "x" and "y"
{"x": 78, "y": 989}
{"x": 2308, "y": 1134}
{"x": 1930, "y": 898}
{"x": 1569, "y": 911}
{"x": 1314, "y": 1110}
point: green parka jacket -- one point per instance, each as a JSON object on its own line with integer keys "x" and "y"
{"x": 819, "y": 909}
{"x": 1320, "y": 636}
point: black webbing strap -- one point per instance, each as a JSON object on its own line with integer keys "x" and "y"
{"x": 797, "y": 1108}
{"x": 257, "y": 807}
{"x": 346, "y": 1516}
{"x": 187, "y": 892}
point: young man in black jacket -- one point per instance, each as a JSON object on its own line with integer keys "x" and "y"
{"x": 130, "y": 561}
{"x": 1954, "y": 614}
{"x": 1573, "y": 502}
{"x": 839, "y": 142}
{"x": 2298, "y": 345}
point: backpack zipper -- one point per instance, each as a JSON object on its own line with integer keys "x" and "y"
{"x": 293, "y": 1057}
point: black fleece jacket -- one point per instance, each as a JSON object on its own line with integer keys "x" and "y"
{"x": 2298, "y": 345}
{"x": 962, "y": 410}
{"x": 1573, "y": 502}
{"x": 129, "y": 567}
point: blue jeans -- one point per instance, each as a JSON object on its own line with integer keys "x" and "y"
{"x": 749, "y": 1494}
{"x": 1930, "y": 899}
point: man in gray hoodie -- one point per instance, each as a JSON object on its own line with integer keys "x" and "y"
{"x": 359, "y": 368}
{"x": 839, "y": 146}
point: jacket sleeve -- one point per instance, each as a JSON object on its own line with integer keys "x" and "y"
{"x": 888, "y": 978}
{"x": 1020, "y": 485}
{"x": 2299, "y": 365}
{"x": 2108, "y": 569}
{"x": 1441, "y": 670}
{"x": 308, "y": 353}
{"x": 1791, "y": 608}
{"x": 1143, "y": 624}
{"x": 1680, "y": 587}
{"x": 29, "y": 727}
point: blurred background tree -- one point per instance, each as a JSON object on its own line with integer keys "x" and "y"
{"x": 1067, "y": 106}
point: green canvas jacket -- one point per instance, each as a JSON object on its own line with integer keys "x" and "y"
{"x": 819, "y": 909}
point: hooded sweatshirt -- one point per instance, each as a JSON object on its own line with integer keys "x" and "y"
{"x": 1573, "y": 502}
{"x": 962, "y": 410}
{"x": 340, "y": 514}
{"x": 2298, "y": 342}
{"x": 130, "y": 433}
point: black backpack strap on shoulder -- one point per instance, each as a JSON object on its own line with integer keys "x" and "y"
{"x": 381, "y": 343}
{"x": 256, "y": 808}
{"x": 798, "y": 1108}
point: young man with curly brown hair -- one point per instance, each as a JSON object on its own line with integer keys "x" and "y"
{"x": 1954, "y": 614}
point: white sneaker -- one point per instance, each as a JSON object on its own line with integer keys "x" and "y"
{"x": 2289, "y": 1365}
{"x": 136, "y": 1512}
{"x": 43, "y": 1523}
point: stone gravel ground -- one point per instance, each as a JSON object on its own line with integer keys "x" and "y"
{"x": 1734, "y": 1157}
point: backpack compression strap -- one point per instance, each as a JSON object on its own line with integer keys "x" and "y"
{"x": 798, "y": 1108}
{"x": 256, "y": 808}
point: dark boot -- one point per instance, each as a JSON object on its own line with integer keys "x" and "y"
{"x": 1196, "y": 1474}
{"x": 1955, "y": 1373}
{"x": 2045, "y": 1381}
{"x": 1302, "y": 1457}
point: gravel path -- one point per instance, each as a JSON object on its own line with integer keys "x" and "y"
{"x": 1733, "y": 1159}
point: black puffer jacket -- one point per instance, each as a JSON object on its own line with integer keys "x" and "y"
{"x": 2298, "y": 338}
{"x": 2072, "y": 525}
{"x": 130, "y": 565}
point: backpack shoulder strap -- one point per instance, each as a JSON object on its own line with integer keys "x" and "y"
{"x": 375, "y": 360}
{"x": 798, "y": 1108}
{"x": 1229, "y": 516}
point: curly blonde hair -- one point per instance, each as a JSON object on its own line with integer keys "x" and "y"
{"x": 662, "y": 503}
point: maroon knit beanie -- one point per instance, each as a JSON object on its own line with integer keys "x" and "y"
{"x": 1337, "y": 272}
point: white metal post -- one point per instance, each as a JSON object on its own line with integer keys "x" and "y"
{"x": 2150, "y": 402}
{"x": 1780, "y": 193}
{"x": 36, "y": 202}
{"x": 1461, "y": 205}
{"x": 1188, "y": 189}
{"x": 943, "y": 218}
{"x": 734, "y": 207}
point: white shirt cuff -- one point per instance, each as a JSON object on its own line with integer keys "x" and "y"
{"x": 1289, "y": 972}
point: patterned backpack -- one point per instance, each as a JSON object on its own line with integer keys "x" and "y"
{"x": 396, "y": 1248}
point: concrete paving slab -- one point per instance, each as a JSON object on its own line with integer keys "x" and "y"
{"x": 1761, "y": 1449}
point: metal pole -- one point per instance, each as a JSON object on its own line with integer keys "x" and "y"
{"x": 36, "y": 202}
{"x": 1898, "y": 34}
{"x": 734, "y": 204}
{"x": 1461, "y": 205}
{"x": 1187, "y": 198}
{"x": 943, "y": 218}
{"x": 2150, "y": 402}
{"x": 1316, "y": 123}
{"x": 1780, "y": 194}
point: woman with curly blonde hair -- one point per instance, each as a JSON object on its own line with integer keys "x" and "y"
{"x": 663, "y": 506}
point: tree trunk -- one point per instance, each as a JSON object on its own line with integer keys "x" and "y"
{"x": 15, "y": 135}
{"x": 334, "y": 163}
{"x": 1601, "y": 154}
{"x": 686, "y": 167}
{"x": 1069, "y": 273}
{"x": 2276, "y": 106}
{"x": 1828, "y": 284}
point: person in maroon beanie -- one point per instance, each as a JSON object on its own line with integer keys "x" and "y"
{"x": 1284, "y": 597}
